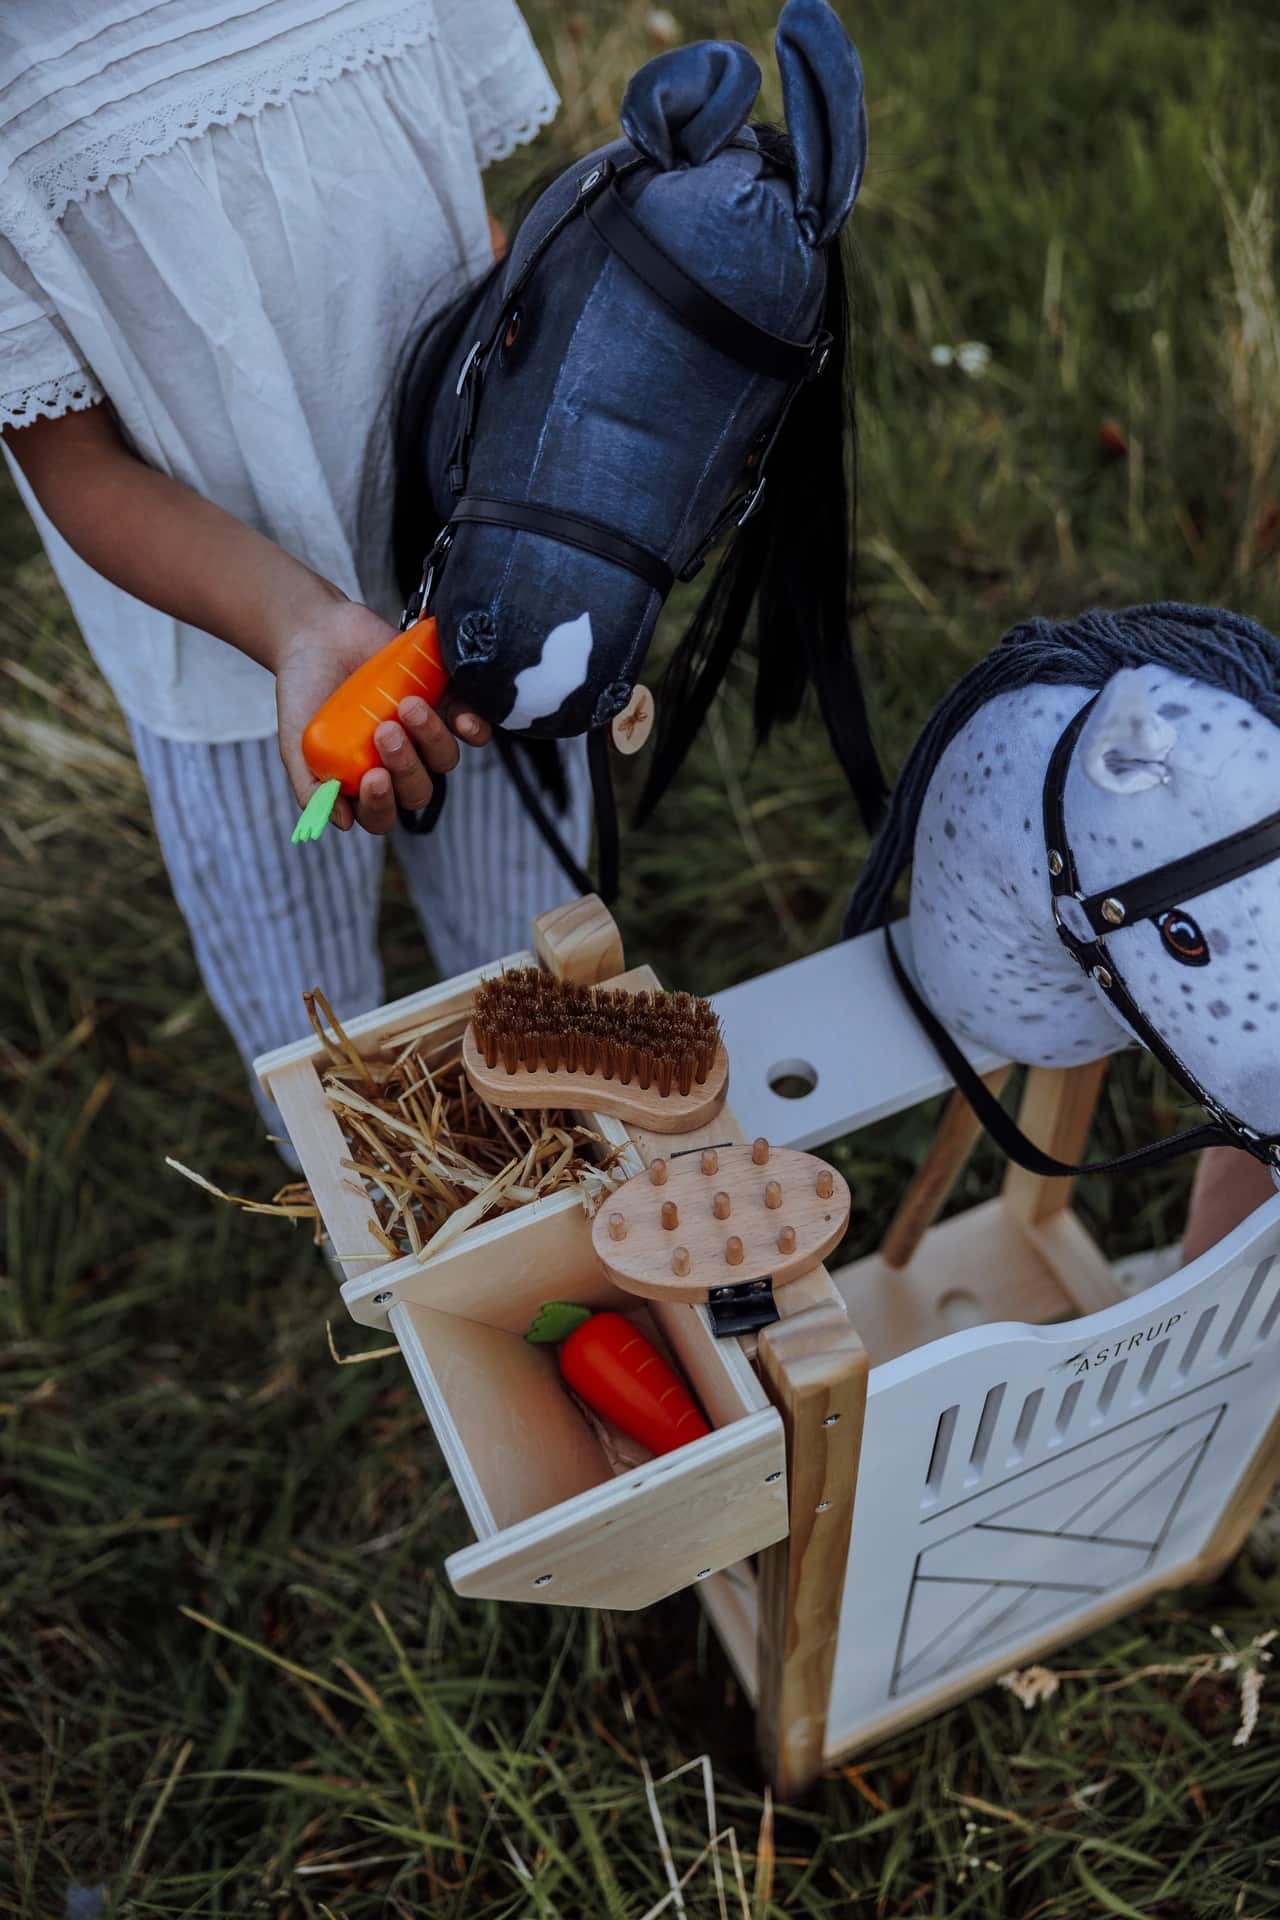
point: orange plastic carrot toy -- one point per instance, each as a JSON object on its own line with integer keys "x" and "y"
{"x": 621, "y": 1375}
{"x": 338, "y": 742}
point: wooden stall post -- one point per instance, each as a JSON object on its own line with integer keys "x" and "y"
{"x": 927, "y": 1192}
{"x": 1058, "y": 1105}
{"x": 814, "y": 1369}
{"x": 579, "y": 942}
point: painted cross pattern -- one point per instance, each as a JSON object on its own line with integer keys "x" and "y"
{"x": 1069, "y": 1538}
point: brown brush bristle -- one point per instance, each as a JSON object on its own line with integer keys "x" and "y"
{"x": 666, "y": 1042}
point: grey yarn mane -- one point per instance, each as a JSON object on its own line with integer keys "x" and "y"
{"x": 1225, "y": 650}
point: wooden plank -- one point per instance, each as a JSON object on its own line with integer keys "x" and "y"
{"x": 957, "y": 1135}
{"x": 718, "y": 1371}
{"x": 979, "y": 1266}
{"x": 513, "y": 1439}
{"x": 815, "y": 1370}
{"x": 498, "y": 1273}
{"x": 840, "y": 1013}
{"x": 1077, "y": 1261}
{"x": 843, "y": 1742}
{"x": 579, "y": 941}
{"x": 1258, "y": 1481}
{"x": 648, "y": 1533}
{"x": 383, "y": 1024}
{"x": 345, "y": 1207}
{"x": 1058, "y": 1105}
{"x": 729, "y": 1600}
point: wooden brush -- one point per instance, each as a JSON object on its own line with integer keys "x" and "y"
{"x": 653, "y": 1058}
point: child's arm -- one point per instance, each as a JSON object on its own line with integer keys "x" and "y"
{"x": 161, "y": 542}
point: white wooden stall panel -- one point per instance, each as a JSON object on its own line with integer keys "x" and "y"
{"x": 836, "y": 1022}
{"x": 1014, "y": 1478}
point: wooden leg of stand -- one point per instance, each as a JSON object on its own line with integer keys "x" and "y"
{"x": 1057, "y": 1111}
{"x": 814, "y": 1369}
{"x": 936, "y": 1175}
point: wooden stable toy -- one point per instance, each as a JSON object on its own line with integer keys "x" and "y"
{"x": 921, "y": 1470}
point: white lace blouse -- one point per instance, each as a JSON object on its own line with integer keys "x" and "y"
{"x": 229, "y": 217}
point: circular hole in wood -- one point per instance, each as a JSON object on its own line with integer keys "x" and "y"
{"x": 792, "y": 1079}
{"x": 958, "y": 1308}
{"x": 542, "y": 1580}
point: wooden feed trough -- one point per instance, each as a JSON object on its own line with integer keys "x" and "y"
{"x": 1031, "y": 1452}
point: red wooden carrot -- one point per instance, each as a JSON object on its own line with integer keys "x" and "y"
{"x": 338, "y": 741}
{"x": 609, "y": 1363}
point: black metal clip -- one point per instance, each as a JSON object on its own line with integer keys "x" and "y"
{"x": 742, "y": 1308}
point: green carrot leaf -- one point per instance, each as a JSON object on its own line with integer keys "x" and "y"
{"x": 314, "y": 817}
{"x": 555, "y": 1321}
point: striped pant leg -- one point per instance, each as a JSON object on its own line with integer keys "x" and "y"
{"x": 481, "y": 877}
{"x": 267, "y": 920}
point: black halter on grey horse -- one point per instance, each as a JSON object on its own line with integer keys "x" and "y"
{"x": 1092, "y": 819}
{"x": 659, "y": 362}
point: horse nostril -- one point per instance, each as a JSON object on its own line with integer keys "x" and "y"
{"x": 477, "y": 640}
{"x": 613, "y": 699}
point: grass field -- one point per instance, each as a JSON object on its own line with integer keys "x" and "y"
{"x": 233, "y": 1680}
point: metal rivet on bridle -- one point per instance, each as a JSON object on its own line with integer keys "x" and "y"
{"x": 590, "y": 181}
{"x": 1101, "y": 977}
{"x": 1112, "y": 910}
{"x": 1055, "y": 862}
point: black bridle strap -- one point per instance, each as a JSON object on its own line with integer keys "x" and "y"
{"x": 1172, "y": 885}
{"x": 603, "y": 802}
{"x": 570, "y": 529}
{"x": 750, "y": 345}
{"x": 1006, "y": 1132}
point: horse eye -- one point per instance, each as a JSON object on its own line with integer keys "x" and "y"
{"x": 1183, "y": 938}
{"x": 514, "y": 324}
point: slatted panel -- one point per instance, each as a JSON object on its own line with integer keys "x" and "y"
{"x": 1012, "y": 1478}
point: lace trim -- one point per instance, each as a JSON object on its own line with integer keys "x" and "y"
{"x": 35, "y": 210}
{"x": 50, "y": 399}
{"x": 493, "y": 143}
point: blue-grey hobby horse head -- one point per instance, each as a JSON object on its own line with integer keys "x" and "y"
{"x": 670, "y": 324}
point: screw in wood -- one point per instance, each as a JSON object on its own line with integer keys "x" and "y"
{"x": 617, "y": 1226}
{"x": 680, "y": 1262}
{"x": 826, "y": 1184}
{"x": 760, "y": 1151}
{"x": 787, "y": 1240}
{"x": 733, "y": 1250}
{"x": 721, "y": 1206}
{"x": 670, "y": 1215}
{"x": 710, "y": 1161}
{"x": 773, "y": 1193}
{"x": 658, "y": 1173}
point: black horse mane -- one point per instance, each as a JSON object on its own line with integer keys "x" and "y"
{"x": 1225, "y": 650}
{"x": 790, "y": 567}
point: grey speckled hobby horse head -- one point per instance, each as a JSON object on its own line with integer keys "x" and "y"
{"x": 1092, "y": 817}
{"x": 659, "y": 361}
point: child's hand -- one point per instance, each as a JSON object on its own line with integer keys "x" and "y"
{"x": 315, "y": 658}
